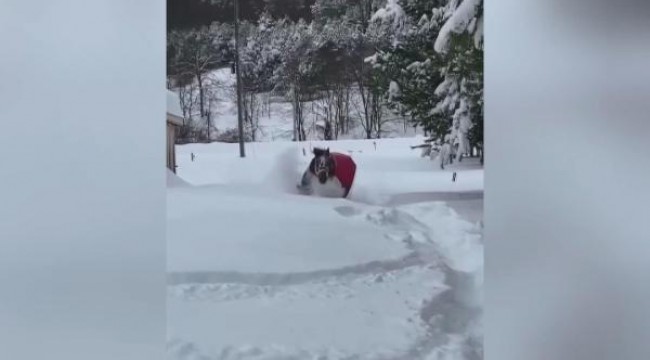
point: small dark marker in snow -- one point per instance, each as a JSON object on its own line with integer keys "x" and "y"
{"x": 454, "y": 177}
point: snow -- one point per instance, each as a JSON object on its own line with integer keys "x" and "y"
{"x": 392, "y": 13}
{"x": 309, "y": 310}
{"x": 390, "y": 169}
{"x": 372, "y": 59}
{"x": 257, "y": 223}
{"x": 256, "y": 271}
{"x": 393, "y": 90}
{"x": 173, "y": 104}
{"x": 457, "y": 23}
{"x": 174, "y": 181}
{"x": 478, "y": 34}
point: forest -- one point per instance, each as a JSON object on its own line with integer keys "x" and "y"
{"x": 366, "y": 63}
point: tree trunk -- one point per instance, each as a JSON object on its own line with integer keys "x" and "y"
{"x": 367, "y": 118}
{"x": 199, "y": 79}
{"x": 301, "y": 124}
{"x": 299, "y": 129}
{"x": 294, "y": 103}
{"x": 346, "y": 113}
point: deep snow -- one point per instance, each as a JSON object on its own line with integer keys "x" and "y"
{"x": 385, "y": 167}
{"x": 256, "y": 271}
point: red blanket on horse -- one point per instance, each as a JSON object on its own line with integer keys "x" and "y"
{"x": 344, "y": 170}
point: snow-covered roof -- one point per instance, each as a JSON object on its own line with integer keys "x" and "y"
{"x": 174, "y": 112}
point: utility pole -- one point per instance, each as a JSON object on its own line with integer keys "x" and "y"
{"x": 240, "y": 122}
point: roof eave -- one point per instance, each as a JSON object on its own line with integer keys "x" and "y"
{"x": 174, "y": 119}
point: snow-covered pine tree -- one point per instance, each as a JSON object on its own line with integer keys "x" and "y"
{"x": 431, "y": 63}
{"x": 406, "y": 60}
{"x": 460, "y": 43}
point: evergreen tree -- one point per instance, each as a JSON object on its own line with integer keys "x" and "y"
{"x": 430, "y": 65}
{"x": 460, "y": 42}
{"x": 409, "y": 64}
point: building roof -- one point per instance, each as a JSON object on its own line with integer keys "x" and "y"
{"x": 174, "y": 112}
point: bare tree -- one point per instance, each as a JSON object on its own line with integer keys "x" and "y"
{"x": 194, "y": 57}
{"x": 188, "y": 100}
{"x": 251, "y": 105}
{"x": 294, "y": 73}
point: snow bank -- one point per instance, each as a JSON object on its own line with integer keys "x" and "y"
{"x": 385, "y": 167}
{"x": 252, "y": 230}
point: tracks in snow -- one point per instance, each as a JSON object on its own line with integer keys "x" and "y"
{"x": 405, "y": 229}
{"x": 283, "y": 279}
{"x": 447, "y": 315}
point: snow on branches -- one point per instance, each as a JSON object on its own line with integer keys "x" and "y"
{"x": 464, "y": 17}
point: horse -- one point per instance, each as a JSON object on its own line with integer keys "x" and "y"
{"x": 330, "y": 168}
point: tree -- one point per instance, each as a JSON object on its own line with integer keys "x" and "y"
{"x": 191, "y": 54}
{"x": 294, "y": 74}
{"x": 430, "y": 65}
{"x": 460, "y": 42}
{"x": 401, "y": 61}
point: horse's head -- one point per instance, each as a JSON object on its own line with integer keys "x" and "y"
{"x": 323, "y": 164}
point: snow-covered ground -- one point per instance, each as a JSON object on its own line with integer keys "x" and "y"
{"x": 256, "y": 271}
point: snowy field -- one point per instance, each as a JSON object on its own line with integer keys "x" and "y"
{"x": 256, "y": 271}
